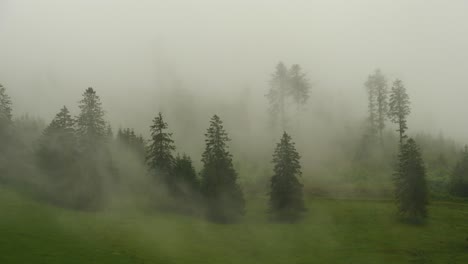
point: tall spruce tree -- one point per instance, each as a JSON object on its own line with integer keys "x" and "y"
{"x": 286, "y": 86}
{"x": 399, "y": 108}
{"x": 376, "y": 86}
{"x": 159, "y": 153}
{"x": 5, "y": 107}
{"x": 277, "y": 95}
{"x": 5, "y": 124}
{"x": 90, "y": 124}
{"x": 299, "y": 85}
{"x": 128, "y": 138}
{"x": 410, "y": 183}
{"x": 57, "y": 155}
{"x": 95, "y": 160}
{"x": 286, "y": 197}
{"x": 459, "y": 179}
{"x": 58, "y": 142}
{"x": 224, "y": 197}
{"x": 185, "y": 177}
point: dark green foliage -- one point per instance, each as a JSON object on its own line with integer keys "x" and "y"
{"x": 5, "y": 126}
{"x": 185, "y": 177}
{"x": 459, "y": 179}
{"x": 299, "y": 85}
{"x": 286, "y": 84}
{"x": 5, "y": 107}
{"x": 399, "y": 107}
{"x": 224, "y": 197}
{"x": 159, "y": 153}
{"x": 58, "y": 144}
{"x": 90, "y": 124}
{"x": 129, "y": 139}
{"x": 95, "y": 161}
{"x": 58, "y": 157}
{"x": 376, "y": 86}
{"x": 286, "y": 196}
{"x": 410, "y": 183}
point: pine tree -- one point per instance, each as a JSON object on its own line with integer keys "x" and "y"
{"x": 459, "y": 179}
{"x": 129, "y": 139}
{"x": 185, "y": 177}
{"x": 91, "y": 126}
{"x": 159, "y": 153}
{"x": 286, "y": 197}
{"x": 399, "y": 108}
{"x": 278, "y": 94}
{"x": 376, "y": 86}
{"x": 5, "y": 107}
{"x": 224, "y": 197}
{"x": 95, "y": 162}
{"x": 57, "y": 155}
{"x": 410, "y": 182}
{"x": 299, "y": 85}
{"x": 287, "y": 84}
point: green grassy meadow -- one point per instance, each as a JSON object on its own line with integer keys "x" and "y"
{"x": 333, "y": 231}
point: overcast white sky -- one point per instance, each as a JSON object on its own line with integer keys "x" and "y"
{"x": 50, "y": 51}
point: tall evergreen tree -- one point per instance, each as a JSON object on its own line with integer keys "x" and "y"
{"x": 278, "y": 94}
{"x": 410, "y": 183}
{"x": 399, "y": 107}
{"x": 459, "y": 179}
{"x": 159, "y": 153}
{"x": 223, "y": 195}
{"x": 5, "y": 107}
{"x": 286, "y": 197}
{"x": 129, "y": 139}
{"x": 90, "y": 124}
{"x": 287, "y": 84}
{"x": 58, "y": 140}
{"x": 299, "y": 85}
{"x": 57, "y": 155}
{"x": 185, "y": 177}
{"x": 5, "y": 135}
{"x": 376, "y": 86}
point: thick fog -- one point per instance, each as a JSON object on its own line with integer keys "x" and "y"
{"x": 134, "y": 53}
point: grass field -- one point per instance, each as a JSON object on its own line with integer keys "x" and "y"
{"x": 334, "y": 231}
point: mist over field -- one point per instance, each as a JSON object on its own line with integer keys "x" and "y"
{"x": 135, "y": 53}
{"x": 230, "y": 131}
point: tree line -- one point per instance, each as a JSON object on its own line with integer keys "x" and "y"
{"x": 73, "y": 152}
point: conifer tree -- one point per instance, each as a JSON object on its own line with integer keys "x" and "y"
{"x": 410, "y": 183}
{"x": 399, "y": 107}
{"x": 224, "y": 197}
{"x": 58, "y": 142}
{"x": 286, "y": 197}
{"x": 459, "y": 179}
{"x": 159, "y": 153}
{"x": 129, "y": 139}
{"x": 185, "y": 176}
{"x": 90, "y": 124}
{"x": 5, "y": 107}
{"x": 57, "y": 155}
{"x": 287, "y": 84}
{"x": 299, "y": 85}
{"x": 5, "y": 133}
{"x": 376, "y": 86}
{"x": 278, "y": 94}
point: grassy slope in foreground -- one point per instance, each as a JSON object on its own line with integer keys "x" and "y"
{"x": 333, "y": 232}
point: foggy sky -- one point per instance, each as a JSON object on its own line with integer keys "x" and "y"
{"x": 51, "y": 51}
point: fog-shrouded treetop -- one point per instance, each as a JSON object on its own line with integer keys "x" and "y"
{"x": 399, "y": 107}
{"x": 5, "y": 106}
{"x": 286, "y": 197}
{"x": 225, "y": 200}
{"x": 90, "y": 124}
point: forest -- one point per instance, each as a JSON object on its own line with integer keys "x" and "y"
{"x": 224, "y": 146}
